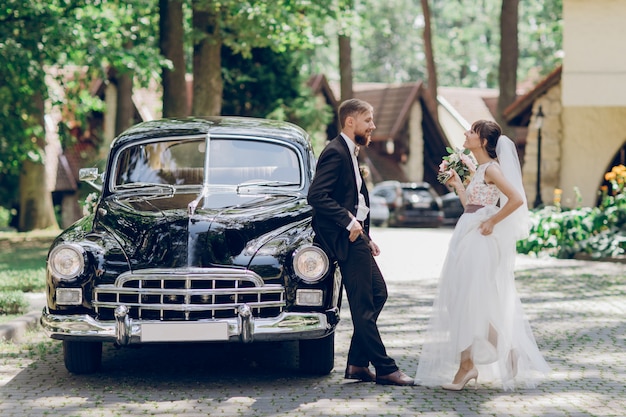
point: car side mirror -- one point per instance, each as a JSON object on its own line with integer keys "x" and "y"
{"x": 89, "y": 175}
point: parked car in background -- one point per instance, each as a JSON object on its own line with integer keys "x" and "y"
{"x": 421, "y": 207}
{"x": 379, "y": 212}
{"x": 452, "y": 208}
{"x": 201, "y": 233}
{"x": 391, "y": 191}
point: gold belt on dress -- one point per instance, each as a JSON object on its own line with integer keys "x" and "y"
{"x": 472, "y": 208}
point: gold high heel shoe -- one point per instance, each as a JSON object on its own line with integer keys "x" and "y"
{"x": 471, "y": 374}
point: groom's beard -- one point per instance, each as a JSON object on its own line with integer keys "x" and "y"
{"x": 362, "y": 139}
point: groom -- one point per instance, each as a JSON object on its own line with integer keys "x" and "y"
{"x": 340, "y": 204}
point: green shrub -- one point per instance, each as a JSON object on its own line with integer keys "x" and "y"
{"x": 23, "y": 265}
{"x": 13, "y": 302}
{"x": 22, "y": 269}
{"x": 29, "y": 280}
{"x": 5, "y": 217}
{"x": 599, "y": 231}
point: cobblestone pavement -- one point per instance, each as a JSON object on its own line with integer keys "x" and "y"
{"x": 576, "y": 308}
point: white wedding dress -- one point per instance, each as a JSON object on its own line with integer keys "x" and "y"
{"x": 477, "y": 305}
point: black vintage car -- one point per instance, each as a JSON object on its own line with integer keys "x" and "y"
{"x": 201, "y": 233}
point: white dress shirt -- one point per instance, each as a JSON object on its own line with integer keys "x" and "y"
{"x": 362, "y": 209}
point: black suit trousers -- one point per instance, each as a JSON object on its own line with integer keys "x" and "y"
{"x": 367, "y": 292}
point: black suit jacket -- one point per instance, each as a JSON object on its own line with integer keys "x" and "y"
{"x": 333, "y": 196}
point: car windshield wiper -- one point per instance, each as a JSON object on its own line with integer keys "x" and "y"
{"x": 134, "y": 186}
{"x": 261, "y": 183}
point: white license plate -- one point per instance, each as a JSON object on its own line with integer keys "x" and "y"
{"x": 183, "y": 332}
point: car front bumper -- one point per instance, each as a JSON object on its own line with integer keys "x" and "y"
{"x": 243, "y": 329}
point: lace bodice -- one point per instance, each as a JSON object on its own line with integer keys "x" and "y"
{"x": 479, "y": 192}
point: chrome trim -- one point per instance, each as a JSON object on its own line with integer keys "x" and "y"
{"x": 163, "y": 273}
{"x": 287, "y": 326}
{"x": 246, "y": 323}
{"x": 123, "y": 325}
{"x": 56, "y": 275}
{"x": 324, "y": 259}
{"x": 211, "y": 293}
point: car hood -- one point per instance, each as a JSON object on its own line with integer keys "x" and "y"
{"x": 225, "y": 229}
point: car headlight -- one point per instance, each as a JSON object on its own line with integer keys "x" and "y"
{"x": 310, "y": 263}
{"x": 66, "y": 261}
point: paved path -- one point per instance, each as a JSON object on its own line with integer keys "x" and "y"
{"x": 577, "y": 310}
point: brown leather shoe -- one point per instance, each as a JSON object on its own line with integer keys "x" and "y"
{"x": 361, "y": 373}
{"x": 394, "y": 378}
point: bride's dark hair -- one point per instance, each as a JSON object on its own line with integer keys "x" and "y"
{"x": 490, "y": 131}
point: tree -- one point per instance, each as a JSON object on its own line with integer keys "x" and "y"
{"x": 345, "y": 66}
{"x": 208, "y": 87}
{"x": 171, "y": 43}
{"x": 387, "y": 46}
{"x": 24, "y": 29}
{"x": 244, "y": 25}
{"x": 96, "y": 35}
{"x": 509, "y": 53}
{"x": 430, "y": 60}
{"x": 118, "y": 40}
{"x": 346, "y": 21}
{"x": 255, "y": 86}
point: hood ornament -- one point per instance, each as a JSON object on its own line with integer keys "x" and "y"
{"x": 193, "y": 205}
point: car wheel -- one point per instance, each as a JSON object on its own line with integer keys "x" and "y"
{"x": 82, "y": 357}
{"x": 317, "y": 356}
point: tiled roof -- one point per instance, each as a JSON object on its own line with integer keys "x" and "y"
{"x": 382, "y": 166}
{"x": 70, "y": 161}
{"x": 319, "y": 85}
{"x": 392, "y": 104}
{"x": 518, "y": 113}
{"x": 471, "y": 103}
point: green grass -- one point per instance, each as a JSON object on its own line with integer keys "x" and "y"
{"x": 22, "y": 269}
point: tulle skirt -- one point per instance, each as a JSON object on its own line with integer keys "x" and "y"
{"x": 477, "y": 308}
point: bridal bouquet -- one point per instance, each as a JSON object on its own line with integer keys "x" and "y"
{"x": 458, "y": 160}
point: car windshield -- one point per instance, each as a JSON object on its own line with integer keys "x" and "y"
{"x": 231, "y": 162}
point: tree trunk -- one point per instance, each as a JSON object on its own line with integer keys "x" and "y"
{"x": 36, "y": 207}
{"x": 345, "y": 67}
{"x": 208, "y": 86}
{"x": 430, "y": 61}
{"x": 125, "y": 108}
{"x": 124, "y": 117}
{"x": 171, "y": 44}
{"x": 509, "y": 53}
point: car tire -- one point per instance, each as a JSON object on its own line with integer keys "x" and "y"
{"x": 82, "y": 357}
{"x": 317, "y": 356}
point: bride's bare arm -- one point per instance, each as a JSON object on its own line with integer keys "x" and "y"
{"x": 493, "y": 175}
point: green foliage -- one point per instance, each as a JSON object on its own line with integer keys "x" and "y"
{"x": 270, "y": 84}
{"x": 307, "y": 113}
{"x": 13, "y": 302}
{"x": 279, "y": 24}
{"x": 254, "y": 86}
{"x": 599, "y": 231}
{"x": 5, "y": 217}
{"x": 387, "y": 41}
{"x": 28, "y": 42}
{"x": 22, "y": 269}
{"x": 22, "y": 265}
{"x": 119, "y": 35}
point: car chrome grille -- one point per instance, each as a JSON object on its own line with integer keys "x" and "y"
{"x": 189, "y": 294}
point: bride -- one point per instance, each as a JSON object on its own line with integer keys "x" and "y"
{"x": 477, "y": 324}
